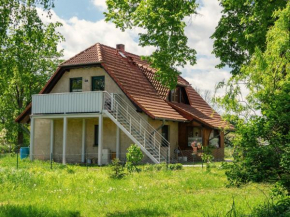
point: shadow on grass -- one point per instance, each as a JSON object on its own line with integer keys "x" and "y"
{"x": 9, "y": 210}
{"x": 138, "y": 212}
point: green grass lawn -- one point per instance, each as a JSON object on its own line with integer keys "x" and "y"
{"x": 35, "y": 190}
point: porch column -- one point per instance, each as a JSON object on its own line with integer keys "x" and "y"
{"x": 32, "y": 123}
{"x": 117, "y": 142}
{"x": 64, "y": 140}
{"x": 100, "y": 145}
{"x": 51, "y": 138}
{"x": 83, "y": 140}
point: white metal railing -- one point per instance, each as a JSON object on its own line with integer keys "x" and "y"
{"x": 147, "y": 136}
{"x": 58, "y": 103}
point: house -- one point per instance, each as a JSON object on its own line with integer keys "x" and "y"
{"x": 103, "y": 99}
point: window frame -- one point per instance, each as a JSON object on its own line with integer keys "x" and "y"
{"x": 71, "y": 84}
{"x": 95, "y": 77}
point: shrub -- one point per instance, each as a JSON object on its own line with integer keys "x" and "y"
{"x": 177, "y": 166}
{"x": 280, "y": 209}
{"x": 117, "y": 169}
{"x": 148, "y": 167}
{"x": 134, "y": 157}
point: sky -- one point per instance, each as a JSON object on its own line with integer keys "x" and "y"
{"x": 84, "y": 25}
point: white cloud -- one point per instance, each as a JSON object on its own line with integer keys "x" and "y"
{"x": 80, "y": 34}
{"x": 199, "y": 28}
{"x": 100, "y": 4}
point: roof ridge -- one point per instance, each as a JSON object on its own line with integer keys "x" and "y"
{"x": 99, "y": 51}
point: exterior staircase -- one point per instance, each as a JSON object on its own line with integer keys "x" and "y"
{"x": 151, "y": 142}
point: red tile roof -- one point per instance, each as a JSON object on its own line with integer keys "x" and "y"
{"x": 135, "y": 78}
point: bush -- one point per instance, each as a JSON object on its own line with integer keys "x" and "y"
{"x": 177, "y": 166}
{"x": 117, "y": 169}
{"x": 163, "y": 166}
{"x": 134, "y": 157}
{"x": 269, "y": 209}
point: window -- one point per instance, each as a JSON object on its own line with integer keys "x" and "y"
{"x": 194, "y": 135}
{"x": 96, "y": 135}
{"x": 165, "y": 133}
{"x": 178, "y": 95}
{"x": 98, "y": 83}
{"x": 76, "y": 84}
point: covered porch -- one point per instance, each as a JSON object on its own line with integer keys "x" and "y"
{"x": 76, "y": 138}
{"x": 200, "y": 134}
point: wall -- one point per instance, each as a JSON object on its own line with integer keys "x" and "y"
{"x": 74, "y": 139}
{"x": 41, "y": 148}
{"x": 63, "y": 85}
{"x": 173, "y": 132}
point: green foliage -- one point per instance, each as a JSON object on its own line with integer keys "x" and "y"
{"x": 163, "y": 22}
{"x": 177, "y": 166}
{"x": 281, "y": 208}
{"x": 163, "y": 166}
{"x": 28, "y": 56}
{"x": 134, "y": 157}
{"x": 243, "y": 28}
{"x": 117, "y": 169}
{"x": 207, "y": 156}
{"x": 262, "y": 117}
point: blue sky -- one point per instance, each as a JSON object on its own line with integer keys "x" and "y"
{"x": 83, "y": 9}
{"x": 84, "y": 25}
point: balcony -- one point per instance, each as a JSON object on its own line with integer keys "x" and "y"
{"x": 64, "y": 103}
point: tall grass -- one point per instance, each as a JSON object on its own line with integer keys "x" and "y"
{"x": 35, "y": 190}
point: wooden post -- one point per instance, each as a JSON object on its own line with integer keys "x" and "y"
{"x": 32, "y": 123}
{"x": 83, "y": 140}
{"x": 64, "y": 140}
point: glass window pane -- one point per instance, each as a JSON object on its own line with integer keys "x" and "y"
{"x": 98, "y": 83}
{"x": 76, "y": 84}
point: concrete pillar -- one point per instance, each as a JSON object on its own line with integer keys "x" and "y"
{"x": 64, "y": 140}
{"x": 117, "y": 142}
{"x": 32, "y": 123}
{"x": 51, "y": 137}
{"x": 100, "y": 146}
{"x": 83, "y": 140}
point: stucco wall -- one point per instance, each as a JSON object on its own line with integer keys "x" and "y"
{"x": 63, "y": 85}
{"x": 41, "y": 148}
{"x": 173, "y": 132}
{"x": 74, "y": 139}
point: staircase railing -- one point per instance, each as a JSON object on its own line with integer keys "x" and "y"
{"x": 146, "y": 135}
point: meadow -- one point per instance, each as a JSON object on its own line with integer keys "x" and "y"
{"x": 73, "y": 190}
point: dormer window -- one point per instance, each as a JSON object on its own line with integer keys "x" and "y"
{"x": 178, "y": 95}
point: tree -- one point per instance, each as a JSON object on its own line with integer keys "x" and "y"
{"x": 263, "y": 138}
{"x": 242, "y": 28}
{"x": 163, "y": 25}
{"x": 28, "y": 56}
{"x": 10, "y": 14}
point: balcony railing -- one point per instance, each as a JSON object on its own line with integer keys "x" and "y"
{"x": 61, "y": 103}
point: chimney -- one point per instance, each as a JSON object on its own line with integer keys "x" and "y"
{"x": 120, "y": 47}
